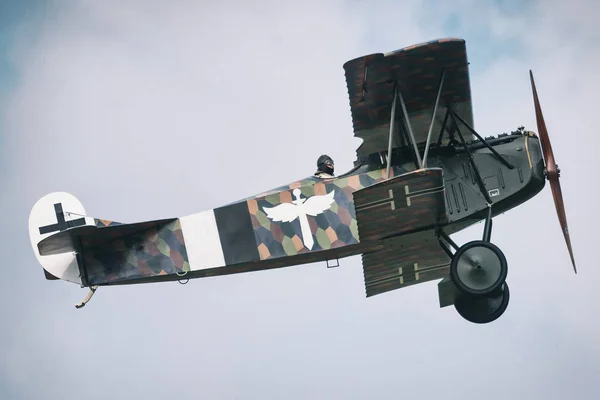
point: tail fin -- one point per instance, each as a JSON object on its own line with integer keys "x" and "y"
{"x": 54, "y": 213}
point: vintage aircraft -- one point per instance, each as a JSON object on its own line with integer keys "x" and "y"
{"x": 422, "y": 173}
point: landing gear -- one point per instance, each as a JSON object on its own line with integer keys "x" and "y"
{"x": 483, "y": 309}
{"x": 478, "y": 271}
{"x": 478, "y": 268}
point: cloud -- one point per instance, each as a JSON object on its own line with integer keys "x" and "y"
{"x": 147, "y": 110}
{"x": 204, "y": 87}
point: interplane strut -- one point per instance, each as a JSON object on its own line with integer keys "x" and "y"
{"x": 392, "y": 120}
{"x": 435, "y": 107}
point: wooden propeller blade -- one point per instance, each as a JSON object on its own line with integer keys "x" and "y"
{"x": 552, "y": 170}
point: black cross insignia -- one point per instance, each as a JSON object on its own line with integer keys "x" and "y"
{"x": 61, "y": 224}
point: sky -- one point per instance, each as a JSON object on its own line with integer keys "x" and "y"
{"x": 149, "y": 109}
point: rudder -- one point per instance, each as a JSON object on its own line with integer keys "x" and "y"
{"x": 53, "y": 213}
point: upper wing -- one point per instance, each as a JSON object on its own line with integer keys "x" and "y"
{"x": 286, "y": 212}
{"x": 317, "y": 204}
{"x": 417, "y": 71}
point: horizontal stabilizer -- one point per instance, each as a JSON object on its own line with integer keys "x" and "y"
{"x": 74, "y": 239}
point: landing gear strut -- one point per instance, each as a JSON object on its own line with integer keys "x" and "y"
{"x": 478, "y": 270}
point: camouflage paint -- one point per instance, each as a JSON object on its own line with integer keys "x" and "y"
{"x": 334, "y": 228}
{"x": 335, "y": 231}
{"x": 154, "y": 252}
{"x": 411, "y": 202}
{"x": 405, "y": 261}
{"x": 103, "y": 223}
{"x": 416, "y": 70}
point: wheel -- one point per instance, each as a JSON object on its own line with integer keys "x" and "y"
{"x": 478, "y": 268}
{"x": 483, "y": 309}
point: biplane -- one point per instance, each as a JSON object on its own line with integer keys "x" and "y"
{"x": 422, "y": 173}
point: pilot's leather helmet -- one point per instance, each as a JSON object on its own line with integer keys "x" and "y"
{"x": 325, "y": 164}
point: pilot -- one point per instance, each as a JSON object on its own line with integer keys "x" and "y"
{"x": 324, "y": 167}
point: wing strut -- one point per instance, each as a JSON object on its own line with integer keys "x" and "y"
{"x": 397, "y": 95}
{"x": 472, "y": 162}
{"x": 410, "y": 132}
{"x": 441, "y": 136}
{"x": 392, "y": 119}
{"x": 486, "y": 144}
{"x": 435, "y": 107}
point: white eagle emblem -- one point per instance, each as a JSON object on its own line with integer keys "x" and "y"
{"x": 300, "y": 208}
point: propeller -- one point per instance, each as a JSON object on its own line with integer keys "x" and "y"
{"x": 552, "y": 170}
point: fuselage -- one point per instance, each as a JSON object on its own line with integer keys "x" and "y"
{"x": 270, "y": 230}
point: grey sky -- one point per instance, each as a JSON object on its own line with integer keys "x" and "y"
{"x": 117, "y": 103}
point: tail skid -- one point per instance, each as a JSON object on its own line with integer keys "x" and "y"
{"x": 88, "y": 297}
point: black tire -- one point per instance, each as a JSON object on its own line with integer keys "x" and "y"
{"x": 478, "y": 268}
{"x": 483, "y": 309}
